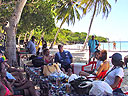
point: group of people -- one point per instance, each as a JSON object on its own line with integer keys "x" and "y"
{"x": 63, "y": 57}
{"x": 31, "y": 47}
{"x": 12, "y": 80}
{"x": 112, "y": 75}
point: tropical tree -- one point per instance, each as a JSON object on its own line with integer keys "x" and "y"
{"x": 37, "y": 16}
{"x": 97, "y": 6}
{"x": 36, "y": 13}
{"x": 11, "y": 31}
{"x": 66, "y": 11}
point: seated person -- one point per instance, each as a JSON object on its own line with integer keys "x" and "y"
{"x": 97, "y": 56}
{"x": 3, "y": 79}
{"x": 14, "y": 71}
{"x": 116, "y": 73}
{"x": 21, "y": 85}
{"x": 4, "y": 91}
{"x": 98, "y": 62}
{"x": 125, "y": 61}
{"x": 102, "y": 68}
{"x": 47, "y": 57}
{"x": 65, "y": 59}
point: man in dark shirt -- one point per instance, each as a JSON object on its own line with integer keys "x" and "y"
{"x": 64, "y": 58}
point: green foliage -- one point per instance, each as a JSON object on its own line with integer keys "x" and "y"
{"x": 37, "y": 15}
{"x": 67, "y": 11}
{"x": 6, "y": 10}
{"x": 102, "y": 6}
{"x": 66, "y": 36}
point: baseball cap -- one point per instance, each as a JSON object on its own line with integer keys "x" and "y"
{"x": 93, "y": 35}
{"x": 33, "y": 37}
{"x": 116, "y": 57}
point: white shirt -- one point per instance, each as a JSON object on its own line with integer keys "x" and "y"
{"x": 110, "y": 78}
{"x": 98, "y": 64}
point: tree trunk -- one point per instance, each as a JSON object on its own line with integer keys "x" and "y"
{"x": 19, "y": 40}
{"x": 25, "y": 37}
{"x": 31, "y": 33}
{"x": 11, "y": 32}
{"x": 55, "y": 36}
{"x": 85, "y": 42}
{"x": 42, "y": 35}
{"x": 0, "y": 2}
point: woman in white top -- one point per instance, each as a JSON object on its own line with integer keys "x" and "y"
{"x": 116, "y": 73}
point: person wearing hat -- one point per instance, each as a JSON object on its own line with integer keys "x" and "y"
{"x": 116, "y": 73}
{"x": 31, "y": 46}
{"x": 93, "y": 45}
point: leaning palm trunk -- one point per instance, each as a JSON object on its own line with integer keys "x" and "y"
{"x": 85, "y": 42}
{"x": 30, "y": 34}
{"x": 11, "y": 32}
{"x": 56, "y": 36}
{"x": 25, "y": 37}
{"x": 40, "y": 40}
{"x": 19, "y": 40}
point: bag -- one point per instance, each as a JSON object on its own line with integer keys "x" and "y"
{"x": 44, "y": 89}
{"x": 37, "y": 62}
{"x": 100, "y": 88}
{"x": 81, "y": 85}
{"x": 118, "y": 90}
{"x": 48, "y": 69}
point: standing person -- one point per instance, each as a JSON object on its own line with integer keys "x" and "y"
{"x": 114, "y": 45}
{"x": 31, "y": 46}
{"x": 64, "y": 58}
{"x": 44, "y": 45}
{"x": 93, "y": 45}
{"x": 116, "y": 73}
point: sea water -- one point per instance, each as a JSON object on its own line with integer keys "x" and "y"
{"x": 120, "y": 46}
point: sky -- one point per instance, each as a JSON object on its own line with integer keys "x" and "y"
{"x": 115, "y": 27}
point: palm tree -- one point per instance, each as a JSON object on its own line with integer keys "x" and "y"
{"x": 97, "y": 6}
{"x": 67, "y": 11}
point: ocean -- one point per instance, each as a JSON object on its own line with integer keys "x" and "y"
{"x": 120, "y": 46}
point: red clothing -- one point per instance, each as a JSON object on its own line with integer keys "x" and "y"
{"x": 7, "y": 91}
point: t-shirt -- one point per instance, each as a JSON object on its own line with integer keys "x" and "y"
{"x": 98, "y": 64}
{"x": 110, "y": 78}
{"x": 63, "y": 58}
{"x": 92, "y": 44}
{"x": 9, "y": 76}
{"x": 31, "y": 46}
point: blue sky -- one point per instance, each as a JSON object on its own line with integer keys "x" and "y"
{"x": 115, "y": 27}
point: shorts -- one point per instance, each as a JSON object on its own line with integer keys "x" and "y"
{"x": 92, "y": 54}
{"x": 66, "y": 67}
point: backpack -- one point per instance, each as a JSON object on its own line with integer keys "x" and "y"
{"x": 96, "y": 41}
{"x": 80, "y": 85}
{"x": 37, "y": 61}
